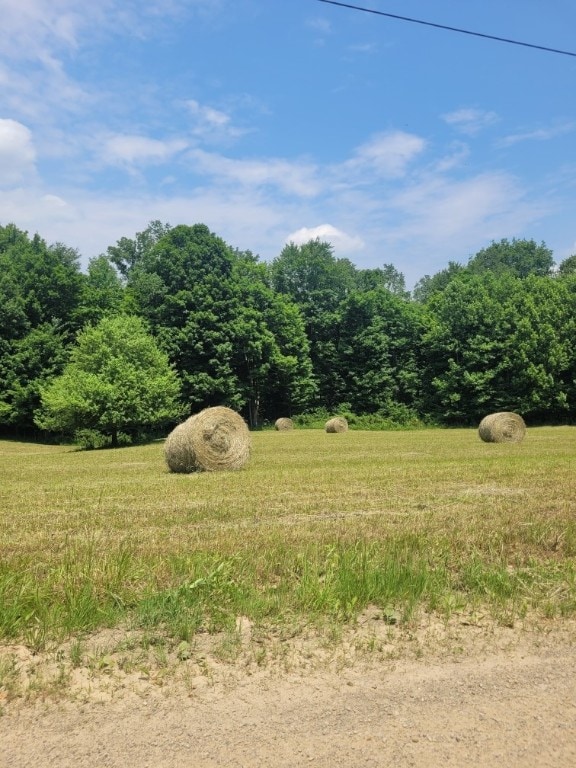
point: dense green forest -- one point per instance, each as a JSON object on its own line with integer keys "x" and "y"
{"x": 175, "y": 319}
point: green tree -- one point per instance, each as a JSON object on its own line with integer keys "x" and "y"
{"x": 40, "y": 292}
{"x": 542, "y": 357}
{"x": 102, "y": 292}
{"x": 379, "y": 341}
{"x": 310, "y": 273}
{"x": 387, "y": 277}
{"x": 499, "y": 342}
{"x": 127, "y": 252}
{"x": 26, "y": 366}
{"x": 233, "y": 340}
{"x": 117, "y": 381}
{"x": 271, "y": 352}
{"x": 567, "y": 267}
{"x": 184, "y": 287}
{"x": 428, "y": 285}
{"x": 466, "y": 348}
{"x": 318, "y": 283}
{"x": 47, "y": 279}
{"x": 518, "y": 257}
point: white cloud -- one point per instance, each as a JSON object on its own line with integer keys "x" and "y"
{"x": 32, "y": 28}
{"x": 208, "y": 115}
{"x": 470, "y": 121}
{"x": 341, "y": 241}
{"x": 443, "y": 208}
{"x": 298, "y": 178}
{"x": 38, "y": 29}
{"x": 458, "y": 153}
{"x": 17, "y": 153}
{"x": 132, "y": 149}
{"x": 540, "y": 134}
{"x": 55, "y": 201}
{"x": 210, "y": 123}
{"x": 386, "y": 154}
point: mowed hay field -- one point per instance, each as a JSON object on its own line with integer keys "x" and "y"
{"x": 313, "y": 530}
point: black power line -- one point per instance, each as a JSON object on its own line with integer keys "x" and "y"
{"x": 450, "y": 29}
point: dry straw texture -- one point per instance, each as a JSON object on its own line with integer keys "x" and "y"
{"x": 283, "y": 424}
{"x": 214, "y": 439}
{"x": 337, "y": 424}
{"x": 502, "y": 427}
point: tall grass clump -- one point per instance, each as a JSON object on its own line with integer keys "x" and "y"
{"x": 340, "y": 581}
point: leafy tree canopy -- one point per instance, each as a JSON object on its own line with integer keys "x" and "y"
{"x": 43, "y": 282}
{"x": 102, "y": 292}
{"x": 428, "y": 285}
{"x": 568, "y": 266}
{"x": 310, "y": 274}
{"x": 128, "y": 252}
{"x": 387, "y": 277}
{"x": 519, "y": 257}
{"x": 117, "y": 380}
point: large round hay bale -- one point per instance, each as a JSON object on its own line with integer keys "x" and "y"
{"x": 214, "y": 439}
{"x": 283, "y": 424}
{"x": 336, "y": 424}
{"x": 502, "y": 427}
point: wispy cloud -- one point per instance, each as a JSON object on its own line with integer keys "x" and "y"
{"x": 470, "y": 121}
{"x": 128, "y": 149}
{"x": 457, "y": 153}
{"x": 539, "y": 134}
{"x": 211, "y": 124}
{"x": 386, "y": 154}
{"x": 41, "y": 30}
{"x": 293, "y": 177}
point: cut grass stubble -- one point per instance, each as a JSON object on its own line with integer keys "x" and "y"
{"x": 313, "y": 531}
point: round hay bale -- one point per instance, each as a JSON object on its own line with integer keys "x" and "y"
{"x": 283, "y": 424}
{"x": 336, "y": 424}
{"x": 502, "y": 427}
{"x": 214, "y": 439}
{"x": 177, "y": 449}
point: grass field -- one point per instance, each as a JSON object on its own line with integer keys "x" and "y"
{"x": 316, "y": 527}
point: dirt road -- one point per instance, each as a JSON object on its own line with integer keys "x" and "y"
{"x": 512, "y": 706}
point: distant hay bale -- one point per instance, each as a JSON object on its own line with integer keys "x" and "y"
{"x": 502, "y": 427}
{"x": 336, "y": 424}
{"x": 283, "y": 424}
{"x": 214, "y": 439}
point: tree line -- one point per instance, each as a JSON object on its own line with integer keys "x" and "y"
{"x": 175, "y": 320}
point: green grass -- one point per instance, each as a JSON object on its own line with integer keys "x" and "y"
{"x": 316, "y": 528}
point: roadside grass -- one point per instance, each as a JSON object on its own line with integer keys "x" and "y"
{"x": 314, "y": 530}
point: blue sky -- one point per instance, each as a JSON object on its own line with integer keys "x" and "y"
{"x": 279, "y": 120}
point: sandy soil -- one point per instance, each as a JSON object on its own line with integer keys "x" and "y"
{"x": 466, "y": 694}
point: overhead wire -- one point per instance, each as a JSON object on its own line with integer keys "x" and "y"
{"x": 450, "y": 29}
